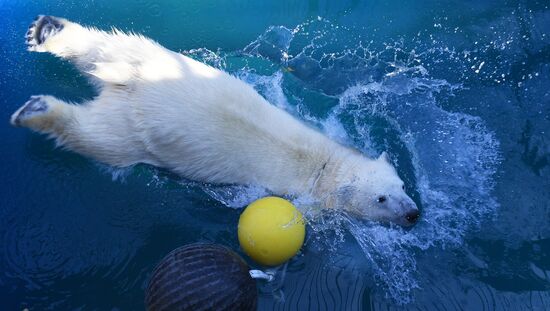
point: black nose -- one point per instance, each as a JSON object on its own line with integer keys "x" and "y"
{"x": 412, "y": 217}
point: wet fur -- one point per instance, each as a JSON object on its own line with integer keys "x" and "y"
{"x": 159, "y": 107}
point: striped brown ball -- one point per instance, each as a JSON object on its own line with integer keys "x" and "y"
{"x": 201, "y": 277}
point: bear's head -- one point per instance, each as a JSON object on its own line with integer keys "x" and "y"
{"x": 372, "y": 190}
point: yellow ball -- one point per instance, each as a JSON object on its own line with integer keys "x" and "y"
{"x": 271, "y": 230}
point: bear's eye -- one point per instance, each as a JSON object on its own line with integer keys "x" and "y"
{"x": 403, "y": 187}
{"x": 381, "y": 199}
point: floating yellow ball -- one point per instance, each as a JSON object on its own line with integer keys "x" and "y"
{"x": 271, "y": 230}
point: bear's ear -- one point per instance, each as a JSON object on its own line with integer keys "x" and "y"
{"x": 384, "y": 157}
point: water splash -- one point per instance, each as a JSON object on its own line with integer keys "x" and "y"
{"x": 385, "y": 98}
{"x": 235, "y": 196}
{"x": 117, "y": 173}
{"x": 454, "y": 158}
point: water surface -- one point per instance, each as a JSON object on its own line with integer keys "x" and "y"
{"x": 458, "y": 93}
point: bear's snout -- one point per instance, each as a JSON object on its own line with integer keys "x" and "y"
{"x": 412, "y": 217}
{"x": 409, "y": 213}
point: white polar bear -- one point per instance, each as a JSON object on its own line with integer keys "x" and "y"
{"x": 165, "y": 109}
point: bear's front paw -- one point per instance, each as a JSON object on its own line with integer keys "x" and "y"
{"x": 34, "y": 107}
{"x": 41, "y": 29}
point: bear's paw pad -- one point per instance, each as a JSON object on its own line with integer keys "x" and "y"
{"x": 41, "y": 29}
{"x": 33, "y": 107}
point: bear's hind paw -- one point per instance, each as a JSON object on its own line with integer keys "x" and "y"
{"x": 41, "y": 29}
{"x": 34, "y": 107}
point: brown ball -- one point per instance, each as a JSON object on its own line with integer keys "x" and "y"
{"x": 201, "y": 277}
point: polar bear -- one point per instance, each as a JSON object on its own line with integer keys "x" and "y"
{"x": 162, "y": 108}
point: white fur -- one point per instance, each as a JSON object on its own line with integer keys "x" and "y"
{"x": 165, "y": 109}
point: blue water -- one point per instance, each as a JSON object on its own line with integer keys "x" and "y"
{"x": 458, "y": 93}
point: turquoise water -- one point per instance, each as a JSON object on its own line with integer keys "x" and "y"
{"x": 458, "y": 93}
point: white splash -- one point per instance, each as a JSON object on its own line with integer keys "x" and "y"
{"x": 450, "y": 157}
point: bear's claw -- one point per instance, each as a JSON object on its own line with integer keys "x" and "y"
{"x": 41, "y": 29}
{"x": 35, "y": 105}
